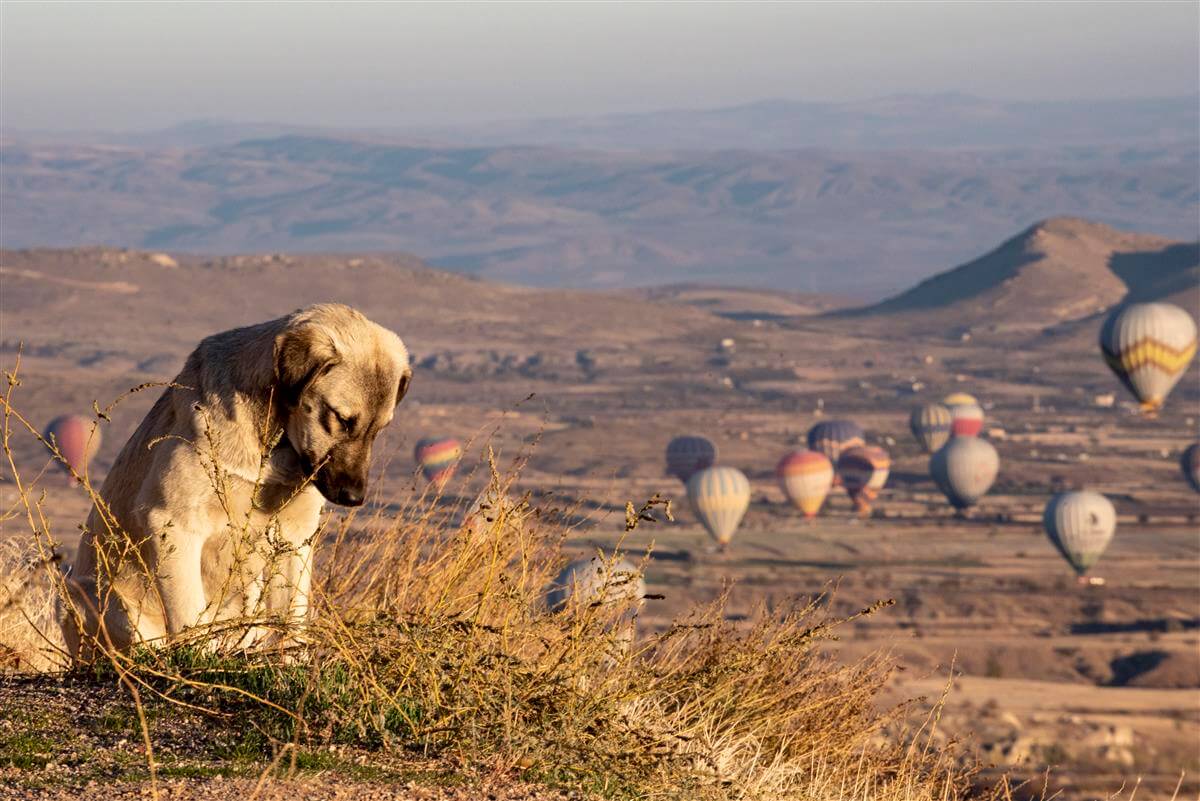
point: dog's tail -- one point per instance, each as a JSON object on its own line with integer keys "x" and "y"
{"x": 31, "y": 638}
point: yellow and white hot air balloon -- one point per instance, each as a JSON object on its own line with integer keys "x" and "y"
{"x": 1149, "y": 346}
{"x": 719, "y": 496}
{"x": 931, "y": 425}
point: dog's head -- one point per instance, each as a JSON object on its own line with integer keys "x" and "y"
{"x": 338, "y": 380}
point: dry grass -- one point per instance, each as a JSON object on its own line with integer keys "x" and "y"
{"x": 430, "y": 633}
{"x": 29, "y": 636}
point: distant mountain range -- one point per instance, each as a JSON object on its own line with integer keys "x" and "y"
{"x": 897, "y": 122}
{"x": 864, "y": 223}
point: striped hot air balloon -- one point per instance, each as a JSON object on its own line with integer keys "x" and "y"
{"x": 1080, "y": 525}
{"x": 966, "y": 415}
{"x": 437, "y": 457}
{"x": 930, "y": 424}
{"x": 1190, "y": 464}
{"x": 689, "y": 454}
{"x": 76, "y": 441}
{"x": 864, "y": 471}
{"x": 1149, "y": 346}
{"x": 719, "y": 496}
{"x": 831, "y": 437}
{"x": 805, "y": 477}
{"x": 965, "y": 470}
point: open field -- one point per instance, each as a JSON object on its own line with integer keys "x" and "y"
{"x": 1100, "y": 683}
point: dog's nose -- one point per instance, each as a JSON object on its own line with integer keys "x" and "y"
{"x": 350, "y": 496}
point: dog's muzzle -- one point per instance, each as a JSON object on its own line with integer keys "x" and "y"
{"x": 342, "y": 489}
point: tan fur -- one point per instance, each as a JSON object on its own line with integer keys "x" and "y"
{"x": 213, "y": 503}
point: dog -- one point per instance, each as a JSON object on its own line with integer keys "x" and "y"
{"x": 210, "y": 510}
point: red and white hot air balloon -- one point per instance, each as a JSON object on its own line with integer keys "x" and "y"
{"x": 966, "y": 415}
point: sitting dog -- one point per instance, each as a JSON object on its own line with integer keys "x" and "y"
{"x": 210, "y": 510}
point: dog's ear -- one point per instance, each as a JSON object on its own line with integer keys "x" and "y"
{"x": 405, "y": 380}
{"x": 302, "y": 355}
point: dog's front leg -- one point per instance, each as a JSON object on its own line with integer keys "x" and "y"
{"x": 300, "y": 573}
{"x": 255, "y": 598}
{"x": 179, "y": 579}
{"x": 291, "y": 584}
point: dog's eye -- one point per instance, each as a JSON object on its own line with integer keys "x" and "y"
{"x": 347, "y": 422}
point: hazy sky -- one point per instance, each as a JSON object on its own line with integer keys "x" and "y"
{"x": 121, "y": 66}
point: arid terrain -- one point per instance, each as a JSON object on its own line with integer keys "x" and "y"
{"x": 1099, "y": 683}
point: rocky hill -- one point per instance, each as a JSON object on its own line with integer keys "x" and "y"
{"x": 1054, "y": 273}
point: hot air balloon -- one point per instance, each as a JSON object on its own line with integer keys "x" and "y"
{"x": 930, "y": 424}
{"x": 966, "y": 415}
{"x": 688, "y": 455}
{"x": 1149, "y": 346}
{"x": 608, "y": 585}
{"x": 76, "y": 441}
{"x": 964, "y": 470}
{"x": 719, "y": 497}
{"x": 595, "y": 580}
{"x": 1080, "y": 525}
{"x": 1190, "y": 463}
{"x": 864, "y": 471}
{"x": 437, "y": 457}
{"x": 805, "y": 477}
{"x": 834, "y": 436}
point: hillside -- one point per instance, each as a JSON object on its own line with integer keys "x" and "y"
{"x": 1056, "y": 272}
{"x": 735, "y": 303}
{"x": 48, "y": 294}
{"x": 862, "y": 223}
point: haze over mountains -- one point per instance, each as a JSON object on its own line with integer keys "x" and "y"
{"x": 916, "y": 184}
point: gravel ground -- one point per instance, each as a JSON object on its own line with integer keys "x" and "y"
{"x": 78, "y": 739}
{"x": 319, "y": 788}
